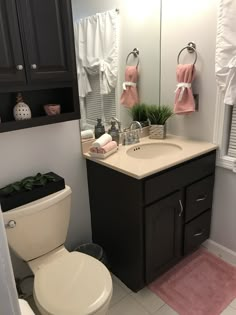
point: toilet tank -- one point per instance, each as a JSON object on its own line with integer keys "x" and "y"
{"x": 41, "y": 225}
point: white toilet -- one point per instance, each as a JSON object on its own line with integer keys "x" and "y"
{"x": 65, "y": 283}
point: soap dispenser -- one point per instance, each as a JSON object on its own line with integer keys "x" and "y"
{"x": 114, "y": 132}
{"x": 99, "y": 129}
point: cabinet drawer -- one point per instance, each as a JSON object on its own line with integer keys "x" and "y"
{"x": 178, "y": 177}
{"x": 199, "y": 197}
{"x": 197, "y": 231}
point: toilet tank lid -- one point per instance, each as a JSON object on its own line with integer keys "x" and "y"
{"x": 39, "y": 204}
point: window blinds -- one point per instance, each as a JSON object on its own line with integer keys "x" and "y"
{"x": 98, "y": 105}
{"x": 232, "y": 138}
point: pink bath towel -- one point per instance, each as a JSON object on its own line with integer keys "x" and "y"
{"x": 184, "y": 101}
{"x": 129, "y": 96}
{"x": 108, "y": 147}
{"x": 93, "y": 150}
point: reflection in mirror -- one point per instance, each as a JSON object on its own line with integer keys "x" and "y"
{"x": 101, "y": 88}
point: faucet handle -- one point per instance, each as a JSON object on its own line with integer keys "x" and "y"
{"x": 118, "y": 122}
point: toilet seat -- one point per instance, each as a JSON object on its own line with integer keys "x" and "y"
{"x": 72, "y": 284}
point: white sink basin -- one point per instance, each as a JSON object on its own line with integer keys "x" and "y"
{"x": 152, "y": 150}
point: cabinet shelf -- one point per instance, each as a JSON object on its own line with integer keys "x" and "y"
{"x": 37, "y": 121}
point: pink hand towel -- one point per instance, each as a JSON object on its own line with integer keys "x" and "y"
{"x": 129, "y": 96}
{"x": 108, "y": 147}
{"x": 184, "y": 101}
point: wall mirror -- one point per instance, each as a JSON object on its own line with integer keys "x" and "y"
{"x": 139, "y": 26}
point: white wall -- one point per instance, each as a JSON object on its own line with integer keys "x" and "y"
{"x": 139, "y": 28}
{"x": 185, "y": 21}
{"x": 50, "y": 148}
{"x": 224, "y": 216}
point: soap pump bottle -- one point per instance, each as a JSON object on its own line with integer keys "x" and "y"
{"x": 114, "y": 132}
{"x": 99, "y": 129}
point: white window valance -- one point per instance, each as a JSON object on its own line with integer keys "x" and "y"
{"x": 97, "y": 51}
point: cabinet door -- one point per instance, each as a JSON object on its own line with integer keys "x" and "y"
{"x": 11, "y": 56}
{"x": 164, "y": 229}
{"x": 48, "y": 37}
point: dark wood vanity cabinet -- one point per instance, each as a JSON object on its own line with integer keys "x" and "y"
{"x": 146, "y": 226}
{"x": 37, "y": 58}
{"x": 163, "y": 221}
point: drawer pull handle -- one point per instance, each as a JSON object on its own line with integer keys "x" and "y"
{"x": 198, "y": 234}
{"x": 181, "y": 208}
{"x": 201, "y": 198}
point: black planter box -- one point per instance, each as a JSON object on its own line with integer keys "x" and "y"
{"x": 17, "y": 199}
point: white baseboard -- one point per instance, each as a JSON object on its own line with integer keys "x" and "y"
{"x": 223, "y": 252}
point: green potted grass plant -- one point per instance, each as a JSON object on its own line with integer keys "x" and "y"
{"x": 139, "y": 113}
{"x": 158, "y": 116}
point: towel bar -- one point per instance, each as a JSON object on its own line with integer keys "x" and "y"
{"x": 191, "y": 48}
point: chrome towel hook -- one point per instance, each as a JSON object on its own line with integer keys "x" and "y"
{"x": 191, "y": 48}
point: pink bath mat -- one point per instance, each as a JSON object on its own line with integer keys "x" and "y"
{"x": 202, "y": 284}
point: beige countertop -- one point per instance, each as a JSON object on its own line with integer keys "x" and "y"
{"x": 140, "y": 168}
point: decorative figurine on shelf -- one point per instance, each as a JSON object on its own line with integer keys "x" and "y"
{"x": 21, "y": 110}
{"x": 52, "y": 109}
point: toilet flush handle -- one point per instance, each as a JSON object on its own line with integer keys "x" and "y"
{"x": 11, "y": 224}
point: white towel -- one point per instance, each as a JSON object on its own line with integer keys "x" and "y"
{"x": 87, "y": 134}
{"x": 103, "y": 140}
{"x": 226, "y": 50}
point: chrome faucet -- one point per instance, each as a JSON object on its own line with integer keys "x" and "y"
{"x": 132, "y": 135}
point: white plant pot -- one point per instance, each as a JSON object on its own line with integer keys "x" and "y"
{"x": 157, "y": 131}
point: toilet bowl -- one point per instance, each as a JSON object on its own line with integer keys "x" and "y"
{"x": 65, "y": 283}
{"x": 73, "y": 284}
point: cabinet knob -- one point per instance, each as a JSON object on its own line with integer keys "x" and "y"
{"x": 19, "y": 67}
{"x": 33, "y": 66}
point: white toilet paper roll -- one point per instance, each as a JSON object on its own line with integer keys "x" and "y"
{"x": 25, "y": 308}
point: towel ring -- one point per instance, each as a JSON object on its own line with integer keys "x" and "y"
{"x": 191, "y": 47}
{"x": 135, "y": 52}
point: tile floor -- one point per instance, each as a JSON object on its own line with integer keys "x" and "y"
{"x": 126, "y": 302}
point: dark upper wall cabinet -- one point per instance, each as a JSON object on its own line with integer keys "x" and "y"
{"x": 37, "y": 56}
{"x": 46, "y": 28}
{"x": 11, "y": 56}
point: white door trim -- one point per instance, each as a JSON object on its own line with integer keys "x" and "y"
{"x": 8, "y": 295}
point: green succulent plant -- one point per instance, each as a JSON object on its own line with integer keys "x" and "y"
{"x": 27, "y": 184}
{"x": 158, "y": 115}
{"x": 139, "y": 112}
